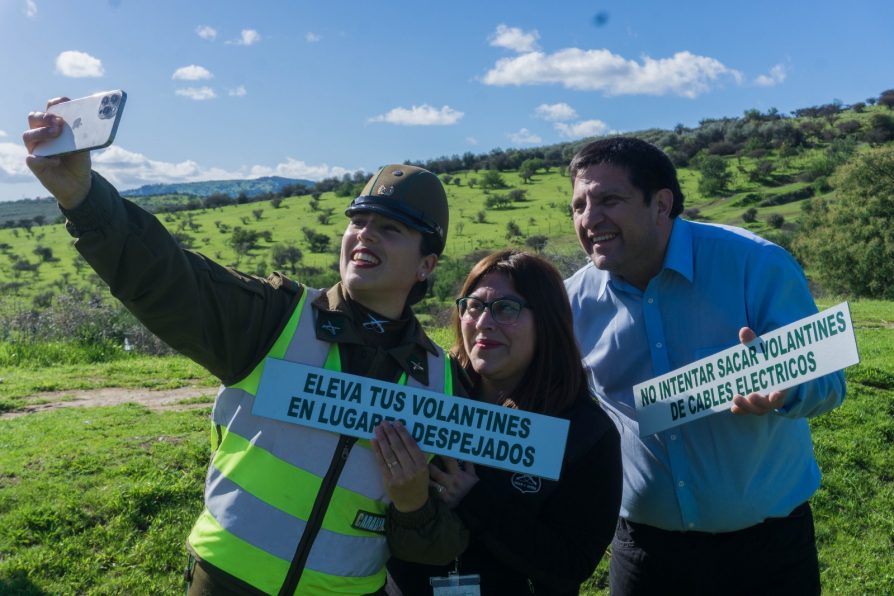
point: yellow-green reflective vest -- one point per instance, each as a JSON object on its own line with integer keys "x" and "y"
{"x": 265, "y": 476}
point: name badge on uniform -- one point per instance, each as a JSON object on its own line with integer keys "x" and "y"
{"x": 456, "y": 585}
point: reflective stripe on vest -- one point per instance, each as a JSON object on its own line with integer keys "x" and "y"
{"x": 265, "y": 476}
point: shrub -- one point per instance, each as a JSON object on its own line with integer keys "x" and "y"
{"x": 775, "y": 220}
{"x": 849, "y": 242}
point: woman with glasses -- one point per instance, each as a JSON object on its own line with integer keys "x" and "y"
{"x": 513, "y": 336}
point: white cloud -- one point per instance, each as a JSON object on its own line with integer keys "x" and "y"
{"x": 206, "y": 32}
{"x": 524, "y": 136}
{"x": 12, "y": 163}
{"x": 555, "y": 112}
{"x": 514, "y": 38}
{"x": 424, "y": 115}
{"x": 312, "y": 37}
{"x": 193, "y": 72}
{"x": 197, "y": 93}
{"x": 585, "y": 128}
{"x": 684, "y": 73}
{"x": 295, "y": 168}
{"x": 78, "y": 65}
{"x": 128, "y": 169}
{"x": 30, "y": 9}
{"x": 238, "y": 91}
{"x": 471, "y": 140}
{"x": 249, "y": 37}
{"x": 776, "y": 76}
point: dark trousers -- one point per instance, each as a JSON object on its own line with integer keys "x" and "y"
{"x": 777, "y": 556}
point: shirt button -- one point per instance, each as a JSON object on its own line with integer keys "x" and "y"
{"x": 681, "y": 484}
{"x": 650, "y": 300}
{"x": 659, "y": 344}
{"x": 673, "y": 437}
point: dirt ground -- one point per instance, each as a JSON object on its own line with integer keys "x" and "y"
{"x": 171, "y": 399}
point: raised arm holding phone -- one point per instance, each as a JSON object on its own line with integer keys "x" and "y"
{"x": 288, "y": 509}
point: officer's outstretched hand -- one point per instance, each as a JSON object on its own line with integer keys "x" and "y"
{"x": 67, "y": 177}
{"x": 403, "y": 466}
{"x": 757, "y": 404}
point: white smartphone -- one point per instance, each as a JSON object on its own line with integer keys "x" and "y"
{"x": 90, "y": 123}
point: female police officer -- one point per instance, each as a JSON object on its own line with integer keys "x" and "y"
{"x": 287, "y": 508}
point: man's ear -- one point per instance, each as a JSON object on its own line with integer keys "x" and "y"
{"x": 664, "y": 200}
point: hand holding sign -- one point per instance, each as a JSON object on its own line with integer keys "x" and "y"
{"x": 402, "y": 464}
{"x": 456, "y": 481}
{"x": 756, "y": 404}
{"x": 750, "y": 378}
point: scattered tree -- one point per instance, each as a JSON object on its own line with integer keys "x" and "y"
{"x": 887, "y": 99}
{"x": 517, "y": 195}
{"x": 512, "y": 230}
{"x": 497, "y": 201}
{"x": 849, "y": 240}
{"x": 775, "y": 220}
{"x": 243, "y": 241}
{"x": 715, "y": 175}
{"x": 537, "y": 242}
{"x": 286, "y": 255}
{"x": 492, "y": 179}
{"x": 45, "y": 253}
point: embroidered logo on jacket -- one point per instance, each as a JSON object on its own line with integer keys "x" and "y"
{"x": 371, "y": 522}
{"x": 525, "y": 483}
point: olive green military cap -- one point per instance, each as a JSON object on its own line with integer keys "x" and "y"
{"x": 411, "y": 195}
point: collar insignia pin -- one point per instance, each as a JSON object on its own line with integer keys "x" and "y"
{"x": 374, "y": 324}
{"x": 331, "y": 328}
{"x": 416, "y": 366}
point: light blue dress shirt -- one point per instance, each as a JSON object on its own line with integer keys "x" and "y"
{"x": 722, "y": 472}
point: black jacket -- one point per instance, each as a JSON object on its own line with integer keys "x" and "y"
{"x": 530, "y": 534}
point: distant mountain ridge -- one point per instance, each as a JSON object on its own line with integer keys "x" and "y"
{"x": 232, "y": 188}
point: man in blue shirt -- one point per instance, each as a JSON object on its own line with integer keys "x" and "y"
{"x": 718, "y": 505}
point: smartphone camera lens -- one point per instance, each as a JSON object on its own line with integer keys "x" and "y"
{"x": 115, "y": 99}
{"x": 105, "y": 100}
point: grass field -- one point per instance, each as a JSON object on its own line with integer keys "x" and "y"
{"x": 100, "y": 500}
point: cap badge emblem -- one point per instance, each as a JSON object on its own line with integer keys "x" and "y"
{"x": 385, "y": 190}
{"x": 397, "y": 173}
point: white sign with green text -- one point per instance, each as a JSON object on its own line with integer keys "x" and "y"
{"x": 462, "y": 428}
{"x": 806, "y": 349}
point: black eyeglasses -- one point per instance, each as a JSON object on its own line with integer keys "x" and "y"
{"x": 505, "y": 311}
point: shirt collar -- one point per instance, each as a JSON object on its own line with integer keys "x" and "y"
{"x": 335, "y": 323}
{"x": 678, "y": 257}
{"x": 679, "y": 249}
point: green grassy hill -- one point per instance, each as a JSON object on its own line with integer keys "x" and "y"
{"x": 774, "y": 165}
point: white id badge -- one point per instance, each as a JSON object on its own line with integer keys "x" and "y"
{"x": 456, "y": 585}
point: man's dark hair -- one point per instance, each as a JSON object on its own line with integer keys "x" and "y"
{"x": 648, "y": 167}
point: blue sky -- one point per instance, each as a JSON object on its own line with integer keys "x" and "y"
{"x": 232, "y": 89}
